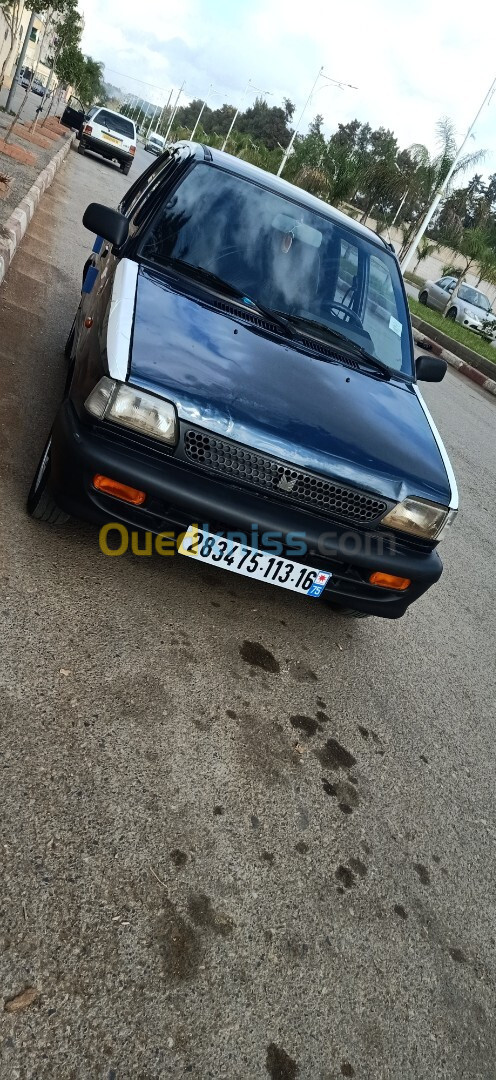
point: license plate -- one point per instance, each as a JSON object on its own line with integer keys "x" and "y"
{"x": 261, "y": 565}
{"x": 110, "y": 138}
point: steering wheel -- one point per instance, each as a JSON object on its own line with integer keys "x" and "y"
{"x": 351, "y": 316}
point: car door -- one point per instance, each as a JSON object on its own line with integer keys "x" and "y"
{"x": 439, "y": 293}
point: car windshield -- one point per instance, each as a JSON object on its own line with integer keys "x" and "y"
{"x": 115, "y": 122}
{"x": 290, "y": 258}
{"x": 473, "y": 296}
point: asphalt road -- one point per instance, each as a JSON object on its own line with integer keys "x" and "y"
{"x": 187, "y": 882}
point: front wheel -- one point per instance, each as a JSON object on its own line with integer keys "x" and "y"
{"x": 41, "y": 504}
{"x": 423, "y": 298}
{"x": 348, "y": 613}
{"x": 451, "y": 314}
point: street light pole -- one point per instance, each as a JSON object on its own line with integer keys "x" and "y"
{"x": 238, "y": 110}
{"x": 152, "y": 121}
{"x": 161, "y": 117}
{"x": 174, "y": 111}
{"x": 400, "y": 207}
{"x": 142, "y": 108}
{"x": 437, "y": 198}
{"x": 320, "y": 74}
{"x": 200, "y": 113}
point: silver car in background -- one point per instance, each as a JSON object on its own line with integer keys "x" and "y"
{"x": 470, "y": 307}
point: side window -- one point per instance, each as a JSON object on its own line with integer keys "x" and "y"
{"x": 380, "y": 316}
{"x": 381, "y": 287}
{"x": 144, "y": 186}
{"x": 346, "y": 282}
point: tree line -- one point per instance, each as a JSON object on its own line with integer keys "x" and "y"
{"x": 366, "y": 171}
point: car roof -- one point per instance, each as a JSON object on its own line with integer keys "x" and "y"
{"x": 281, "y": 187}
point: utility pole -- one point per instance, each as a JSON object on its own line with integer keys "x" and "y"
{"x": 20, "y": 62}
{"x": 437, "y": 198}
{"x": 320, "y": 75}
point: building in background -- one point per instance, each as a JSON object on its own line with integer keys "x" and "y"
{"x": 40, "y": 50}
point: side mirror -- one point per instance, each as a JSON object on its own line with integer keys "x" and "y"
{"x": 106, "y": 222}
{"x": 430, "y": 368}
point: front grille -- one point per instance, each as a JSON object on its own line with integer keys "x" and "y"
{"x": 277, "y": 478}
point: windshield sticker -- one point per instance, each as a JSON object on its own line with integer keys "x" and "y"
{"x": 395, "y": 326}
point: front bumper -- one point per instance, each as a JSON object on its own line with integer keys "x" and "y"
{"x": 178, "y": 495}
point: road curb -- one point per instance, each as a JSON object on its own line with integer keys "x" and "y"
{"x": 13, "y": 231}
{"x": 482, "y": 380}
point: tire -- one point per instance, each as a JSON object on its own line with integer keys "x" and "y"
{"x": 80, "y": 148}
{"x": 451, "y": 314}
{"x": 125, "y": 169}
{"x": 423, "y": 298}
{"x": 41, "y": 504}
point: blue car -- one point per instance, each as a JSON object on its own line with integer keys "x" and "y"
{"x": 242, "y": 390}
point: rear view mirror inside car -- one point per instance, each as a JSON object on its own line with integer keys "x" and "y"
{"x": 288, "y": 225}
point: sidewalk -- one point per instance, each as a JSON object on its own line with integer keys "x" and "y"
{"x": 23, "y": 173}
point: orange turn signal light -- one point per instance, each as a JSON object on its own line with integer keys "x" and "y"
{"x": 389, "y": 581}
{"x": 119, "y": 491}
{"x": 132, "y": 150}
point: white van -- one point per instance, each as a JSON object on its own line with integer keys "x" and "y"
{"x": 110, "y": 134}
{"x": 155, "y": 143}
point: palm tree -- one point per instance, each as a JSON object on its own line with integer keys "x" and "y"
{"x": 432, "y": 170}
{"x": 425, "y": 248}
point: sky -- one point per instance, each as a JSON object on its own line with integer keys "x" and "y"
{"x": 412, "y": 61}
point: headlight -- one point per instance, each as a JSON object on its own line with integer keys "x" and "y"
{"x": 419, "y": 518}
{"x": 134, "y": 409}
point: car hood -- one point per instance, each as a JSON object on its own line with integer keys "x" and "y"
{"x": 229, "y": 377}
{"x": 477, "y": 312}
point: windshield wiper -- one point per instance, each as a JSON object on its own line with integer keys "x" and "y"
{"x": 201, "y": 274}
{"x": 352, "y": 345}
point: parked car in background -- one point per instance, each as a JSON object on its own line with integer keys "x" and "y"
{"x": 38, "y": 88}
{"x": 470, "y": 307}
{"x": 242, "y": 359}
{"x": 155, "y": 143}
{"x": 111, "y": 135}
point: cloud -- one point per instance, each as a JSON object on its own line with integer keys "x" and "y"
{"x": 412, "y": 63}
